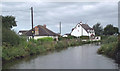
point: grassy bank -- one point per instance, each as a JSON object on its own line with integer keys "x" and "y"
{"x": 39, "y": 46}
{"x": 110, "y": 46}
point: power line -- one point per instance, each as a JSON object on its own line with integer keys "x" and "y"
{"x": 15, "y": 10}
{"x": 27, "y": 10}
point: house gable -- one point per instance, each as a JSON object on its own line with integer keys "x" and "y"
{"x": 82, "y": 30}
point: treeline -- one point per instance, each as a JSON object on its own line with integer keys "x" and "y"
{"x": 107, "y": 30}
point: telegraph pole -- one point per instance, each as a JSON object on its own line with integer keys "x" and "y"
{"x": 60, "y": 28}
{"x": 32, "y": 21}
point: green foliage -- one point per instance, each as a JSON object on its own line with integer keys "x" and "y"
{"x": 118, "y": 48}
{"x": 84, "y": 37}
{"x": 45, "y": 39}
{"x": 8, "y": 22}
{"x": 110, "y": 30}
{"x": 9, "y": 37}
{"x": 109, "y": 39}
{"x": 33, "y": 40}
{"x": 13, "y": 52}
{"x": 69, "y": 37}
{"x": 0, "y": 51}
{"x": 61, "y": 44}
{"x": 108, "y": 49}
{"x": 109, "y": 46}
{"x": 36, "y": 47}
{"x": 98, "y": 29}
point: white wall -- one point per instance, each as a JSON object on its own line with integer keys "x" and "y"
{"x": 37, "y": 37}
{"x": 85, "y": 33}
{"x": 79, "y": 31}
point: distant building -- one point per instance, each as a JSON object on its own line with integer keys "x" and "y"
{"x": 66, "y": 35}
{"x": 22, "y": 32}
{"x": 82, "y": 30}
{"x": 40, "y": 32}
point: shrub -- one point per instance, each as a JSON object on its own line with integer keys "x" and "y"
{"x": 61, "y": 44}
{"x": 109, "y": 39}
{"x": 71, "y": 37}
{"x": 13, "y": 52}
{"x": 108, "y": 49}
{"x": 45, "y": 39}
{"x": 109, "y": 46}
{"x": 9, "y": 37}
{"x": 84, "y": 37}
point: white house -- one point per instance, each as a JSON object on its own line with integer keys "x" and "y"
{"x": 41, "y": 32}
{"x": 82, "y": 30}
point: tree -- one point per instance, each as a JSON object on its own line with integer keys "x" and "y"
{"x": 8, "y": 22}
{"x": 98, "y": 29}
{"x": 8, "y": 35}
{"x": 116, "y": 30}
{"x": 110, "y": 30}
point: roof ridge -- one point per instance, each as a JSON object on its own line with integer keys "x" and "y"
{"x": 45, "y": 29}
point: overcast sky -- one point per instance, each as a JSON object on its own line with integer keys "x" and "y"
{"x": 69, "y": 13}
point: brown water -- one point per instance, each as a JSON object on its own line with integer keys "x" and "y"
{"x": 79, "y": 57}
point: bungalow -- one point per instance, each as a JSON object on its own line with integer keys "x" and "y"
{"x": 82, "y": 30}
{"x": 41, "y": 32}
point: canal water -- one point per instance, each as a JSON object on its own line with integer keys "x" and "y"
{"x": 79, "y": 57}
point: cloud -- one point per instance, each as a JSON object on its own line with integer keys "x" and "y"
{"x": 69, "y": 13}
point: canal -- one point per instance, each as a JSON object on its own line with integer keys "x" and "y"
{"x": 79, "y": 57}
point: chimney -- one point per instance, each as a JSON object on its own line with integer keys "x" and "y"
{"x": 80, "y": 22}
{"x": 36, "y": 30}
{"x": 44, "y": 25}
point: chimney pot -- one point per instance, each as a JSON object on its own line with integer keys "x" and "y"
{"x": 44, "y": 25}
{"x": 80, "y": 22}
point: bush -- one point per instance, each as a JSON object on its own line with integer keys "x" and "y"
{"x": 13, "y": 52}
{"x": 119, "y": 43}
{"x": 109, "y": 46}
{"x": 109, "y": 39}
{"x": 84, "y": 37}
{"x": 108, "y": 49}
{"x": 60, "y": 45}
{"x": 71, "y": 37}
{"x": 9, "y": 37}
{"x": 45, "y": 39}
